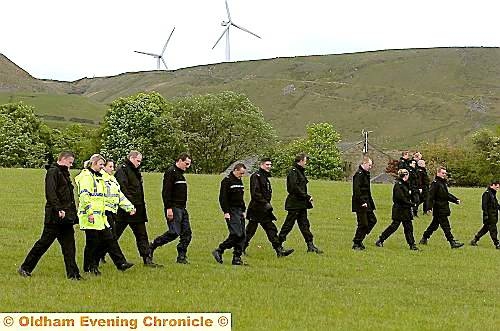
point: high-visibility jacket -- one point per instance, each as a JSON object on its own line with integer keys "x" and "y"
{"x": 114, "y": 196}
{"x": 91, "y": 200}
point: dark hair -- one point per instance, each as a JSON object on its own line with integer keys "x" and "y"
{"x": 495, "y": 182}
{"x": 183, "y": 157}
{"x": 301, "y": 156}
{"x": 108, "y": 161}
{"x": 65, "y": 155}
{"x": 238, "y": 166}
{"x": 265, "y": 159}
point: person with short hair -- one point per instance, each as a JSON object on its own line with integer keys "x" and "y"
{"x": 174, "y": 194}
{"x": 404, "y": 160}
{"x": 423, "y": 186}
{"x": 298, "y": 201}
{"x": 233, "y": 207}
{"x": 93, "y": 219}
{"x": 260, "y": 210}
{"x": 401, "y": 211}
{"x": 129, "y": 178}
{"x": 362, "y": 203}
{"x": 490, "y": 207}
{"x": 60, "y": 216}
{"x": 439, "y": 204}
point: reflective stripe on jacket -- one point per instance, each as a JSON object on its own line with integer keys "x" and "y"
{"x": 91, "y": 200}
{"x": 114, "y": 195}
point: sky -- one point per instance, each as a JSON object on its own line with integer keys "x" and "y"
{"x": 72, "y": 39}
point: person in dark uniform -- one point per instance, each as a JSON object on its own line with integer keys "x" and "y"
{"x": 401, "y": 211}
{"x": 297, "y": 202}
{"x": 362, "y": 203}
{"x": 439, "y": 203}
{"x": 490, "y": 207}
{"x": 404, "y": 160}
{"x": 60, "y": 216}
{"x": 174, "y": 194}
{"x": 233, "y": 206}
{"x": 260, "y": 210}
{"x": 129, "y": 178}
{"x": 423, "y": 186}
{"x": 413, "y": 182}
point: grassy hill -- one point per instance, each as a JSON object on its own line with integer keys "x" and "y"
{"x": 404, "y": 96}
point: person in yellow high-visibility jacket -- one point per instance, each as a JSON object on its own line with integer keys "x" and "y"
{"x": 114, "y": 199}
{"x": 93, "y": 220}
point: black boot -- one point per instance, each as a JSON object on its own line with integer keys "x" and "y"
{"x": 125, "y": 266}
{"x": 151, "y": 249}
{"x": 473, "y": 242}
{"x": 182, "y": 258}
{"x": 414, "y": 247}
{"x": 379, "y": 243}
{"x": 313, "y": 249}
{"x": 357, "y": 246}
{"x": 281, "y": 252}
{"x": 95, "y": 271}
{"x": 456, "y": 244}
{"x": 423, "y": 241}
{"x": 148, "y": 262}
{"x": 217, "y": 254}
{"x": 237, "y": 261}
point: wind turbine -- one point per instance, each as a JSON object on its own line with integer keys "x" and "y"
{"x": 159, "y": 57}
{"x": 228, "y": 24}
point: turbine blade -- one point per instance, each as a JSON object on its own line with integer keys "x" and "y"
{"x": 228, "y": 14}
{"x": 222, "y": 35}
{"x": 243, "y": 29}
{"x": 165, "y": 47}
{"x": 150, "y": 54}
{"x": 164, "y": 63}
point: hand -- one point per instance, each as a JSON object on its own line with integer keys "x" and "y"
{"x": 132, "y": 213}
{"x": 62, "y": 213}
{"x": 458, "y": 201}
{"x": 365, "y": 205}
{"x": 420, "y": 190}
{"x": 227, "y": 217}
{"x": 91, "y": 219}
{"x": 170, "y": 215}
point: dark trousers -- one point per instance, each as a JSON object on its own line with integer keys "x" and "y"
{"x": 178, "y": 227}
{"x": 236, "y": 237}
{"x": 97, "y": 242}
{"x": 407, "y": 227}
{"x": 424, "y": 200}
{"x": 268, "y": 226}
{"x": 140, "y": 233}
{"x": 65, "y": 235}
{"x": 437, "y": 221}
{"x": 366, "y": 221}
{"x": 300, "y": 216}
{"x": 491, "y": 227}
{"x": 415, "y": 197}
{"x": 112, "y": 223}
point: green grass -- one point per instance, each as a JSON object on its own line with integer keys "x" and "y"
{"x": 389, "y": 288}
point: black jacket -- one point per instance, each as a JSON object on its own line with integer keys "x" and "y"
{"x": 440, "y": 198}
{"x": 401, "y": 199}
{"x": 423, "y": 179}
{"x": 260, "y": 208}
{"x": 231, "y": 193}
{"x": 59, "y": 195}
{"x": 403, "y": 163}
{"x": 361, "y": 191}
{"x": 130, "y": 179}
{"x": 174, "y": 192}
{"x": 489, "y": 205}
{"x": 296, "y": 186}
{"x": 413, "y": 180}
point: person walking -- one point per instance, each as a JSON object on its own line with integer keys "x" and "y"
{"x": 60, "y": 216}
{"x": 174, "y": 194}
{"x": 93, "y": 220}
{"x": 490, "y": 207}
{"x": 233, "y": 207}
{"x": 439, "y": 204}
{"x": 362, "y": 203}
{"x": 298, "y": 201}
{"x": 260, "y": 210}
{"x": 401, "y": 211}
{"x": 129, "y": 178}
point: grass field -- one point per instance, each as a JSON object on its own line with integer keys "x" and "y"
{"x": 389, "y": 288}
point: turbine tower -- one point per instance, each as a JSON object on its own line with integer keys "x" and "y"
{"x": 227, "y": 24}
{"x": 159, "y": 57}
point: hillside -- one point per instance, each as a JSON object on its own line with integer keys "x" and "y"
{"x": 403, "y": 96}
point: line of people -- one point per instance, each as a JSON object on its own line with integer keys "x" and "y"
{"x": 109, "y": 204}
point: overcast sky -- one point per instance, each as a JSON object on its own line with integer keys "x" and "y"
{"x": 72, "y": 39}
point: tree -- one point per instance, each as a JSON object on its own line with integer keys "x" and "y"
{"x": 222, "y": 128}
{"x": 24, "y": 138}
{"x": 83, "y": 141}
{"x": 143, "y": 122}
{"x": 321, "y": 146}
